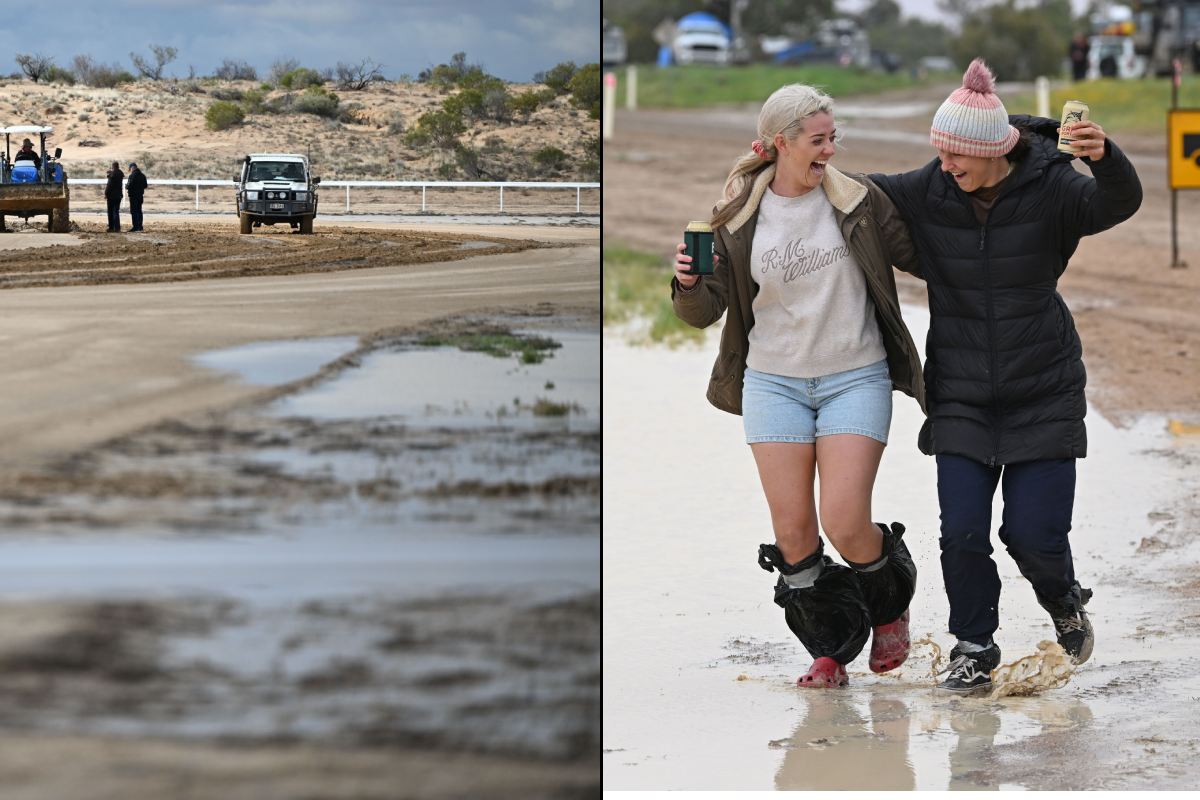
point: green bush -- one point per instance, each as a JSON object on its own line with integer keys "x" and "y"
{"x": 550, "y": 156}
{"x": 223, "y": 114}
{"x": 442, "y": 128}
{"x": 265, "y": 87}
{"x": 126, "y": 77}
{"x": 252, "y": 101}
{"x": 316, "y": 100}
{"x": 227, "y": 93}
{"x": 585, "y": 87}
{"x": 57, "y": 74}
{"x": 482, "y": 96}
{"x": 447, "y": 171}
{"x": 416, "y": 138}
{"x": 528, "y": 102}
{"x": 301, "y": 79}
{"x": 591, "y": 146}
{"x": 559, "y": 78}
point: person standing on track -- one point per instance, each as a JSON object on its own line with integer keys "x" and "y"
{"x": 136, "y": 189}
{"x": 812, "y": 348}
{"x": 995, "y": 219}
{"x": 114, "y": 190}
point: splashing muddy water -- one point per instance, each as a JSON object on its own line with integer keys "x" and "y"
{"x": 687, "y": 611}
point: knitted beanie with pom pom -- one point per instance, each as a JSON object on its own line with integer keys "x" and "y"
{"x": 972, "y": 121}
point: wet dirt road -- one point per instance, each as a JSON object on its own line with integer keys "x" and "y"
{"x": 86, "y": 363}
{"x": 700, "y": 669}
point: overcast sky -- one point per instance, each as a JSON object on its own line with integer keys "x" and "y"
{"x": 928, "y": 8}
{"x": 513, "y": 39}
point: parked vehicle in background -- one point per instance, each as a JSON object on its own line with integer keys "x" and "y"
{"x": 614, "y": 50}
{"x": 1114, "y": 57}
{"x": 1161, "y": 30}
{"x": 701, "y": 38}
{"x": 276, "y": 188}
{"x": 837, "y": 41}
{"x": 27, "y": 190}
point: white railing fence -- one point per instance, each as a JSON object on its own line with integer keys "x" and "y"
{"x": 578, "y": 187}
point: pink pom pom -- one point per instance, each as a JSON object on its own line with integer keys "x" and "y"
{"x": 978, "y": 78}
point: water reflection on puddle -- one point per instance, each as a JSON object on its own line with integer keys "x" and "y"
{"x": 277, "y": 363}
{"x": 445, "y": 386}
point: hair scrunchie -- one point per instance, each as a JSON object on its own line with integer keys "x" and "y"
{"x": 759, "y": 150}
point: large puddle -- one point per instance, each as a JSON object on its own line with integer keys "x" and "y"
{"x": 406, "y": 551}
{"x": 700, "y": 669}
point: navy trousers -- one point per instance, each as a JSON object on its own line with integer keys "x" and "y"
{"x": 135, "y": 211}
{"x": 114, "y": 214}
{"x": 1038, "y": 499}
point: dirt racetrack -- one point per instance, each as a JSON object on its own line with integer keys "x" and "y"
{"x": 1137, "y": 317}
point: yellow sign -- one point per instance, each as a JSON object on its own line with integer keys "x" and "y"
{"x": 1183, "y": 148}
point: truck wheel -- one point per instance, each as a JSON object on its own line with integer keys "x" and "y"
{"x": 244, "y": 223}
{"x": 60, "y": 220}
{"x": 306, "y": 224}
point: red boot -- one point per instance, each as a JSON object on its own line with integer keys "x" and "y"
{"x": 825, "y": 673}
{"x": 890, "y": 645}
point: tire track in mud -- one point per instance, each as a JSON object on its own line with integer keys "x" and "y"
{"x": 200, "y": 251}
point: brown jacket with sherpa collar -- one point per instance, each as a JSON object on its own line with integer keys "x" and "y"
{"x": 876, "y": 235}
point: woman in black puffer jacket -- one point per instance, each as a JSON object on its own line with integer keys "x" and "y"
{"x": 995, "y": 219}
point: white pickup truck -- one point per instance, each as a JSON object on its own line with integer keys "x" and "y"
{"x": 275, "y": 188}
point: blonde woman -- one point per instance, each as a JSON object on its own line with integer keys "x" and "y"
{"x": 812, "y": 348}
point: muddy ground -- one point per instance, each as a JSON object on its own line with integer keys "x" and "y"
{"x": 298, "y": 668}
{"x": 196, "y": 250}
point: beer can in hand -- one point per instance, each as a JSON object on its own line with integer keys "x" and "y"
{"x": 699, "y": 240}
{"x": 1073, "y": 112}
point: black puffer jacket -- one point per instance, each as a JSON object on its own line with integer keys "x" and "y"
{"x": 1004, "y": 374}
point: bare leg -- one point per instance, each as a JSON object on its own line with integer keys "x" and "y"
{"x": 787, "y": 471}
{"x": 848, "y": 463}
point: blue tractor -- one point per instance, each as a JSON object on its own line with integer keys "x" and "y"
{"x": 32, "y": 189}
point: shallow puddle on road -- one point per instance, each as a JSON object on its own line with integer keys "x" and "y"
{"x": 687, "y": 611}
{"x": 445, "y": 386}
{"x": 277, "y": 363}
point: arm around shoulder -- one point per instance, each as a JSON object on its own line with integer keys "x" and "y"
{"x": 894, "y": 230}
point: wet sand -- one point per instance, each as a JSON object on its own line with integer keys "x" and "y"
{"x": 700, "y": 669}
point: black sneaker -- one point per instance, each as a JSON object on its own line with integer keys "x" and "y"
{"x": 1071, "y": 624}
{"x": 970, "y": 673}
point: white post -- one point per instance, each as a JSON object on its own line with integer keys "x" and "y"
{"x": 422, "y": 197}
{"x": 197, "y": 196}
{"x": 577, "y": 199}
{"x": 610, "y": 101}
{"x": 501, "y": 199}
{"x": 631, "y": 87}
{"x": 347, "y": 198}
{"x": 1043, "y": 96}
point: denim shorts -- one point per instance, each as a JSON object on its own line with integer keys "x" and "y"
{"x": 780, "y": 409}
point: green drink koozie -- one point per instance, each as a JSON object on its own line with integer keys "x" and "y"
{"x": 699, "y": 240}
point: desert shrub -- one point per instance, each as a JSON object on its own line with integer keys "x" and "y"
{"x": 591, "y": 147}
{"x": 57, "y": 74}
{"x": 355, "y": 77}
{"x": 396, "y": 124}
{"x": 585, "y": 89}
{"x": 300, "y": 78}
{"x": 252, "y": 101}
{"x": 493, "y": 144}
{"x": 528, "y": 102}
{"x": 265, "y": 87}
{"x": 559, "y": 78}
{"x": 163, "y": 55}
{"x": 223, "y": 114}
{"x": 550, "y": 156}
{"x": 591, "y": 168}
{"x": 447, "y": 171}
{"x": 34, "y": 65}
{"x": 350, "y": 114}
{"x": 227, "y": 93}
{"x": 124, "y": 77}
{"x": 443, "y": 128}
{"x": 443, "y": 76}
{"x": 233, "y": 69}
{"x": 484, "y": 97}
{"x": 281, "y": 67}
{"x": 83, "y": 117}
{"x": 416, "y": 138}
{"x": 316, "y": 100}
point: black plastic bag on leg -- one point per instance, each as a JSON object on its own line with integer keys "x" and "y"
{"x": 890, "y": 581}
{"x": 830, "y": 618}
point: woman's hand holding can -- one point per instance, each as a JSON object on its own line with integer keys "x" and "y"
{"x": 683, "y": 263}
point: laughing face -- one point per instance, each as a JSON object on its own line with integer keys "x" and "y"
{"x": 805, "y": 157}
{"x": 973, "y": 172}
